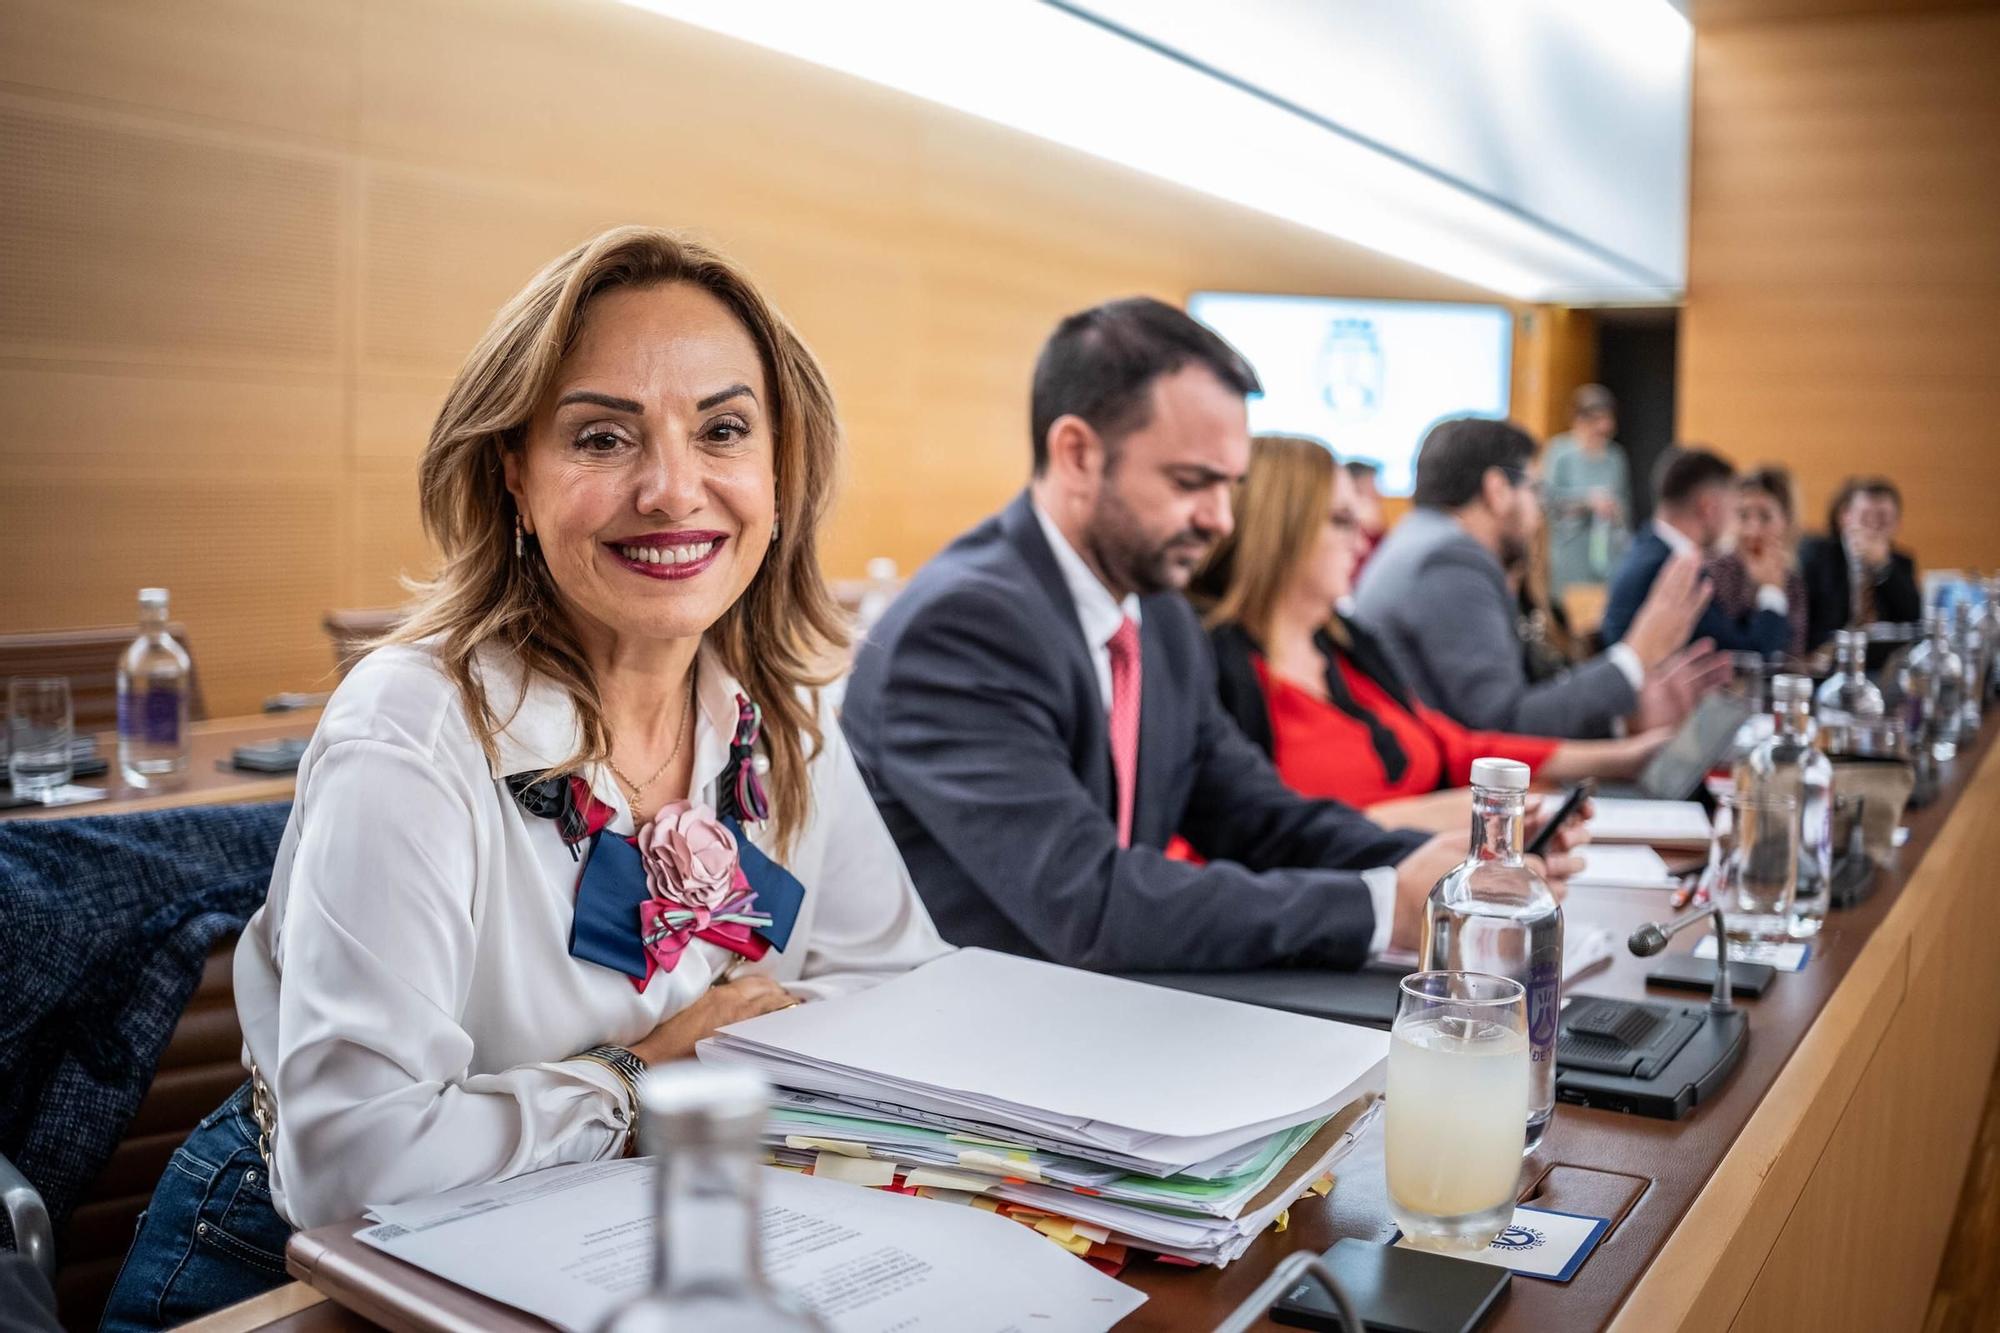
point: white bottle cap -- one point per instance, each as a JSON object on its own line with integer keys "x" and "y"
{"x": 1502, "y": 774}
{"x": 152, "y": 596}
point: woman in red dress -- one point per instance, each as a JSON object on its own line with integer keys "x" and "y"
{"x": 1319, "y": 695}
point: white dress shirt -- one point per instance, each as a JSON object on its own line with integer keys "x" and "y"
{"x": 1097, "y": 611}
{"x": 407, "y": 989}
{"x": 1770, "y": 596}
{"x": 1100, "y": 614}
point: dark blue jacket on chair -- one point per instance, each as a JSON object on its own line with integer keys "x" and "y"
{"x": 1761, "y": 631}
{"x": 977, "y": 717}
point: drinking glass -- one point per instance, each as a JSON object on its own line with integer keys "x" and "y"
{"x": 39, "y": 730}
{"x": 1755, "y": 863}
{"x": 1458, "y": 1108}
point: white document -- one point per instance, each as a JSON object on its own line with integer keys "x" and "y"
{"x": 1612, "y": 866}
{"x": 1674, "y": 823}
{"x": 1117, "y": 1063}
{"x": 1785, "y": 955}
{"x": 568, "y": 1243}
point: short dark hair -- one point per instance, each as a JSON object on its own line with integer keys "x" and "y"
{"x": 1458, "y": 451}
{"x": 1880, "y": 488}
{"x": 1100, "y": 365}
{"x": 1685, "y": 469}
{"x": 1363, "y": 469}
{"x": 1771, "y": 480}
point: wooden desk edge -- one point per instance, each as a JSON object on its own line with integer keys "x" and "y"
{"x": 1703, "y": 1274}
{"x": 258, "y": 1311}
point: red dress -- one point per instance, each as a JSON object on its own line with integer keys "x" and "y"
{"x": 1322, "y": 752}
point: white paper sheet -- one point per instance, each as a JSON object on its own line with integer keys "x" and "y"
{"x": 567, "y": 1243}
{"x": 1607, "y": 865}
{"x": 1072, "y": 1047}
{"x": 1621, "y": 819}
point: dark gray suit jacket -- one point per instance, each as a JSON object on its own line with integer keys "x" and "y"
{"x": 975, "y": 712}
{"x": 1439, "y": 601}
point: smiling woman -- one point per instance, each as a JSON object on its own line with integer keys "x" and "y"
{"x": 626, "y": 482}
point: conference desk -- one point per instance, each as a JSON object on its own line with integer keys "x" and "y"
{"x": 210, "y": 779}
{"x": 1814, "y": 1191}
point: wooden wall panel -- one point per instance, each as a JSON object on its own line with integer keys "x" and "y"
{"x": 1843, "y": 308}
{"x": 245, "y": 244}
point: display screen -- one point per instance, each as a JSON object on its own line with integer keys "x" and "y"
{"x": 1368, "y": 377}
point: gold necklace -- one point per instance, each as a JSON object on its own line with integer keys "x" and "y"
{"x": 680, "y": 739}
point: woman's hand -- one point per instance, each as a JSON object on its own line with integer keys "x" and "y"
{"x": 723, "y": 1004}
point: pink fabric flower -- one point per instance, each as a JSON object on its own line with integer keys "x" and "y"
{"x": 690, "y": 856}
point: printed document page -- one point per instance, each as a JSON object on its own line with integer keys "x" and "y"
{"x": 568, "y": 1243}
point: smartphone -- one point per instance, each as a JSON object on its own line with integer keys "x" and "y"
{"x": 1573, "y": 802}
{"x": 278, "y": 756}
{"x": 1683, "y": 971}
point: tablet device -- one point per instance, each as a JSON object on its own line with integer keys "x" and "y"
{"x": 1396, "y": 1291}
{"x": 1703, "y": 742}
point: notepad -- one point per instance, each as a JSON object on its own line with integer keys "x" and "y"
{"x": 1613, "y": 866}
{"x": 1659, "y": 823}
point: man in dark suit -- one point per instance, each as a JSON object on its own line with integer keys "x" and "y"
{"x": 1037, "y": 715}
{"x": 1855, "y": 575}
{"x": 1691, "y": 489}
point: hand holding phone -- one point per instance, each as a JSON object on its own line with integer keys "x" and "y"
{"x": 1565, "y": 812}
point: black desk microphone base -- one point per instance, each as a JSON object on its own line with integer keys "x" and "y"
{"x": 1658, "y": 1060}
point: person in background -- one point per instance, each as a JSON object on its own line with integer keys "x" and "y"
{"x": 1037, "y": 713}
{"x": 1589, "y": 493}
{"x": 1366, "y": 478}
{"x": 626, "y": 484}
{"x": 1855, "y": 575}
{"x": 1313, "y": 690}
{"x": 1436, "y": 596}
{"x": 1762, "y": 553}
{"x": 1697, "y": 489}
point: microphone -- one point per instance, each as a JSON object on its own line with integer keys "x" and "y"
{"x": 1652, "y": 937}
{"x": 1647, "y": 940}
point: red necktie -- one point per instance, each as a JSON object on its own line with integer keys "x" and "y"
{"x": 1124, "y": 646}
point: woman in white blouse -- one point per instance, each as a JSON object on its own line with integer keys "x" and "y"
{"x": 626, "y": 484}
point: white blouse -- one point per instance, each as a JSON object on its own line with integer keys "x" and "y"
{"x": 407, "y": 989}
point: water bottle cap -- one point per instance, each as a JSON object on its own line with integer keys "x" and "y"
{"x": 152, "y": 596}
{"x": 1503, "y": 774}
{"x": 1850, "y": 638}
{"x": 1791, "y": 689}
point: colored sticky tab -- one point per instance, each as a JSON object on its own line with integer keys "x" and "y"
{"x": 1012, "y": 1165}
{"x": 936, "y": 1177}
{"x": 947, "y": 1196}
{"x": 779, "y": 893}
{"x": 1284, "y": 1220}
{"x": 1056, "y": 1228}
{"x": 604, "y": 928}
{"x": 1323, "y": 1186}
{"x": 833, "y": 1166}
{"x": 1100, "y": 1235}
{"x": 983, "y": 1202}
{"x": 841, "y": 1146}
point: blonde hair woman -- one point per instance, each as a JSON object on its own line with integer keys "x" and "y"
{"x": 1319, "y": 696}
{"x": 585, "y": 809}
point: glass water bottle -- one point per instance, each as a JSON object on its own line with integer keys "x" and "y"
{"x": 1932, "y": 678}
{"x": 1495, "y": 914}
{"x": 1848, "y": 695}
{"x": 1968, "y": 639}
{"x": 1788, "y": 763}
{"x": 154, "y": 680}
{"x": 703, "y": 1126}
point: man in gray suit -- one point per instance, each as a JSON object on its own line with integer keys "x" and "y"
{"x": 1037, "y": 714}
{"x": 1436, "y": 592}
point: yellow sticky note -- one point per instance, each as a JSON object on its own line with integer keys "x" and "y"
{"x": 841, "y": 1146}
{"x": 947, "y": 1196}
{"x": 1055, "y": 1228}
{"x": 1284, "y": 1220}
{"x": 1323, "y": 1186}
{"x": 937, "y": 1177}
{"x": 855, "y": 1171}
{"x": 1019, "y": 1167}
{"x": 981, "y": 1201}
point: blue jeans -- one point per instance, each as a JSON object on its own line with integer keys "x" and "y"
{"x": 210, "y": 1237}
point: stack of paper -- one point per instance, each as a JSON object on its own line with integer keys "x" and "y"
{"x": 569, "y": 1243}
{"x": 1105, "y": 1112}
{"x": 1660, "y": 823}
{"x": 1611, "y": 866}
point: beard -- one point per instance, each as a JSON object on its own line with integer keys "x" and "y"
{"x": 1513, "y": 550}
{"x": 1123, "y": 550}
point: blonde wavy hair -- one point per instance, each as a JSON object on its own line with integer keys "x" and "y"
{"x": 772, "y": 639}
{"x": 1280, "y": 504}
